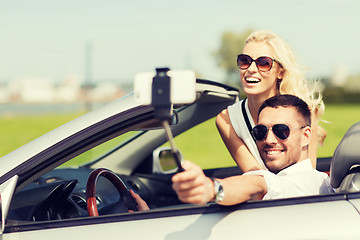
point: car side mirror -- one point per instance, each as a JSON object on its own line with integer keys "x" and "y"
{"x": 6, "y": 192}
{"x": 163, "y": 161}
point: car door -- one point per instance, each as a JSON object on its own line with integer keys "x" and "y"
{"x": 317, "y": 217}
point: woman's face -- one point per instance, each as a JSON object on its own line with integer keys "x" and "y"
{"x": 255, "y": 82}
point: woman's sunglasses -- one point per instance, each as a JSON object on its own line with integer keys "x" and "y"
{"x": 281, "y": 131}
{"x": 264, "y": 64}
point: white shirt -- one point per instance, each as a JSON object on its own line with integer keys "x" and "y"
{"x": 300, "y": 179}
{"x": 239, "y": 125}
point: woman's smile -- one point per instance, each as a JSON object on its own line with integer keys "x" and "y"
{"x": 252, "y": 80}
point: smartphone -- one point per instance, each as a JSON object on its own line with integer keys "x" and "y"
{"x": 182, "y": 86}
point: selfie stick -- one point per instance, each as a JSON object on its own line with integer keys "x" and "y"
{"x": 161, "y": 101}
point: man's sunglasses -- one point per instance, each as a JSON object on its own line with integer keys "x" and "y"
{"x": 264, "y": 64}
{"x": 281, "y": 131}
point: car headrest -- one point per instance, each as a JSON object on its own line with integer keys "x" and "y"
{"x": 346, "y": 155}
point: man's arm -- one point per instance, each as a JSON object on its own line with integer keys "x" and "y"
{"x": 192, "y": 186}
{"x": 240, "y": 189}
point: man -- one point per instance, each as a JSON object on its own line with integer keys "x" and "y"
{"x": 283, "y": 135}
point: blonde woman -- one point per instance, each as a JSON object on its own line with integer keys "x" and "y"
{"x": 267, "y": 68}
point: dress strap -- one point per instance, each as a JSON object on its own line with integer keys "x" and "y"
{"x": 246, "y": 118}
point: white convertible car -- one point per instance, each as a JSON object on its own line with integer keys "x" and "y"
{"x": 122, "y": 147}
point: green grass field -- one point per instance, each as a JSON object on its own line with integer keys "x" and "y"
{"x": 18, "y": 130}
{"x": 339, "y": 119}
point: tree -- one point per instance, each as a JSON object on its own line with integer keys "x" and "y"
{"x": 230, "y": 46}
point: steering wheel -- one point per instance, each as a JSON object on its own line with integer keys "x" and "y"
{"x": 125, "y": 196}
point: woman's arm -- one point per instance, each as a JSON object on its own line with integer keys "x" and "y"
{"x": 316, "y": 138}
{"x": 313, "y": 144}
{"x": 238, "y": 150}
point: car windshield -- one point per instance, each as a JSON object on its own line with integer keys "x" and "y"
{"x": 202, "y": 144}
{"x": 100, "y": 150}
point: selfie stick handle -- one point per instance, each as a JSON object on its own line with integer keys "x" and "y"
{"x": 174, "y": 150}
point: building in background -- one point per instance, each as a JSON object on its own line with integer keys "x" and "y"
{"x": 69, "y": 90}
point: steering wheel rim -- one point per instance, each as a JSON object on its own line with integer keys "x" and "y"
{"x": 91, "y": 187}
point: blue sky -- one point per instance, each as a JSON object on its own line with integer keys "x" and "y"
{"x": 47, "y": 39}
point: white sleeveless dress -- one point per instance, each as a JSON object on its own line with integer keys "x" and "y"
{"x": 237, "y": 120}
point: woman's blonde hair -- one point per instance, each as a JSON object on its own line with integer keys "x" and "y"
{"x": 294, "y": 81}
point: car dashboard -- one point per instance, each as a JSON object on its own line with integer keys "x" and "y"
{"x": 61, "y": 194}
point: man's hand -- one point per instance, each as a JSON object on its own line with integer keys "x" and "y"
{"x": 141, "y": 204}
{"x": 192, "y": 186}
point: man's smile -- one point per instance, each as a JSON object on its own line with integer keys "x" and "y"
{"x": 273, "y": 153}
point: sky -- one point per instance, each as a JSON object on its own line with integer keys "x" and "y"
{"x": 51, "y": 39}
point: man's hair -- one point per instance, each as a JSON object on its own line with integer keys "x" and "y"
{"x": 287, "y": 100}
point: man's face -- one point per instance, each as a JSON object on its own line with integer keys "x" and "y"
{"x": 278, "y": 154}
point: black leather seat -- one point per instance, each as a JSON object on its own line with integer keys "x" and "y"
{"x": 345, "y": 163}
